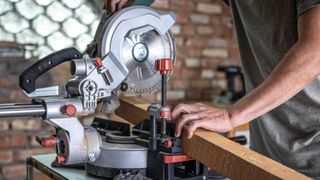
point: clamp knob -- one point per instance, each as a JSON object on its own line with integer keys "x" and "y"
{"x": 164, "y": 65}
{"x": 168, "y": 143}
{"x": 165, "y": 112}
{"x": 60, "y": 159}
{"x": 48, "y": 142}
{"x": 69, "y": 110}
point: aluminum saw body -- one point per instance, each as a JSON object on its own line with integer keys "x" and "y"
{"x": 133, "y": 39}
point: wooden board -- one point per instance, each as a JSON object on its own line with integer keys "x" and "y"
{"x": 132, "y": 109}
{"x": 221, "y": 154}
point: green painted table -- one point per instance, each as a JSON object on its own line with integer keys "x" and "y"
{"x": 43, "y": 164}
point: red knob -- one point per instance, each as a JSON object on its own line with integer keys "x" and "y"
{"x": 48, "y": 142}
{"x": 69, "y": 110}
{"x": 165, "y": 112}
{"x": 168, "y": 143}
{"x": 164, "y": 65}
{"x": 98, "y": 62}
{"x": 60, "y": 159}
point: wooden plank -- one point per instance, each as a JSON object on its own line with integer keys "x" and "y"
{"x": 225, "y": 156}
{"x": 234, "y": 160}
{"x": 132, "y": 109}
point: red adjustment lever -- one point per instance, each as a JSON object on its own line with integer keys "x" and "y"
{"x": 69, "y": 110}
{"x": 176, "y": 158}
{"x": 98, "y": 62}
{"x": 48, "y": 142}
{"x": 164, "y": 65}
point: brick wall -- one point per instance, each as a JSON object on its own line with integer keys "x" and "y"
{"x": 204, "y": 38}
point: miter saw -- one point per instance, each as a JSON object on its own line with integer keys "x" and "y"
{"x": 133, "y": 51}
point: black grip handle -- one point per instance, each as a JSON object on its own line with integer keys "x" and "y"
{"x": 28, "y": 78}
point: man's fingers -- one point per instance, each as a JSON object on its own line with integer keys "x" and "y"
{"x": 122, "y": 4}
{"x": 183, "y": 108}
{"x": 193, "y": 126}
{"x": 183, "y": 120}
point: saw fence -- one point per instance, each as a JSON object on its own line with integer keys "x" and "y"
{"x": 221, "y": 154}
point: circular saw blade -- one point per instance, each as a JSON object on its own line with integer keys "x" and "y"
{"x": 139, "y": 53}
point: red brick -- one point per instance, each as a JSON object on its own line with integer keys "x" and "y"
{"x": 200, "y": 84}
{"x": 13, "y": 139}
{"x": 22, "y": 154}
{"x": 197, "y": 42}
{"x": 218, "y": 42}
{"x": 14, "y": 171}
{"x": 199, "y": 19}
{"x": 191, "y": 74}
{"x": 179, "y": 41}
{"x": 210, "y": 63}
{"x": 209, "y": 8}
{"x": 181, "y": 5}
{"x": 209, "y": 94}
{"x": 17, "y": 96}
{"x": 4, "y": 125}
{"x": 182, "y": 18}
{"x": 6, "y": 156}
{"x": 193, "y": 62}
{"x": 215, "y": 20}
{"x": 9, "y": 81}
{"x": 161, "y": 4}
{"x": 216, "y": 53}
{"x": 179, "y": 84}
{"x": 204, "y": 30}
{"x": 185, "y": 52}
{"x": 26, "y": 124}
{"x": 188, "y": 30}
{"x": 174, "y": 95}
{"x": 219, "y": 83}
{"x": 193, "y": 95}
{"x": 207, "y": 73}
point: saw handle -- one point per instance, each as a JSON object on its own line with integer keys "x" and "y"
{"x": 29, "y": 76}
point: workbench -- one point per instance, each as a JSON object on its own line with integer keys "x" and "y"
{"x": 43, "y": 164}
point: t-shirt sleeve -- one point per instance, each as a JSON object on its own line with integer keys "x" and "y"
{"x": 305, "y": 5}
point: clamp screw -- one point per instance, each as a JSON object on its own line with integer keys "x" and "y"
{"x": 69, "y": 110}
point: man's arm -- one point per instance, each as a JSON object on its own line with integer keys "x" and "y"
{"x": 298, "y": 68}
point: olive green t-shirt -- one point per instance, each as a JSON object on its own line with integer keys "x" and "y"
{"x": 266, "y": 30}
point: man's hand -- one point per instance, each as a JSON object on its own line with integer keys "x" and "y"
{"x": 111, "y": 6}
{"x": 193, "y": 116}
